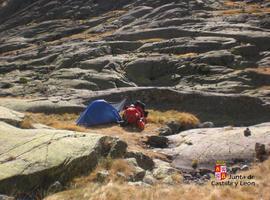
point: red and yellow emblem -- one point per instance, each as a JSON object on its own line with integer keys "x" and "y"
{"x": 220, "y": 170}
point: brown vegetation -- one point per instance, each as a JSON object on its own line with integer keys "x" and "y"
{"x": 260, "y": 70}
{"x": 113, "y": 166}
{"x": 132, "y": 136}
{"x": 186, "y": 55}
{"x": 65, "y": 121}
{"x": 123, "y": 191}
{"x": 159, "y": 117}
{"x": 249, "y": 10}
{"x": 26, "y": 123}
{"x": 238, "y": 7}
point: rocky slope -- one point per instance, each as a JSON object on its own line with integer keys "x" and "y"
{"x": 69, "y": 49}
{"x": 207, "y": 57}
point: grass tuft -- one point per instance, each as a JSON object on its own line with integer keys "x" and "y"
{"x": 184, "y": 118}
{"x": 113, "y": 166}
{"x": 26, "y": 123}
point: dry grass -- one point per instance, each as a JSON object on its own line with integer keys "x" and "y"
{"x": 186, "y": 55}
{"x": 233, "y": 3}
{"x": 86, "y": 188}
{"x": 132, "y": 136}
{"x": 64, "y": 121}
{"x": 260, "y": 70}
{"x": 123, "y": 191}
{"x": 113, "y": 166}
{"x": 26, "y": 123}
{"x": 266, "y": 87}
{"x": 238, "y": 7}
{"x": 248, "y": 10}
{"x": 177, "y": 178}
{"x": 158, "y": 117}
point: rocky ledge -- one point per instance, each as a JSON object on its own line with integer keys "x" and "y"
{"x": 34, "y": 159}
{"x": 65, "y": 49}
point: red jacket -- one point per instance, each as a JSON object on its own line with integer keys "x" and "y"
{"x": 133, "y": 114}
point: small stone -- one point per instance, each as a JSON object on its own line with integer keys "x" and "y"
{"x": 187, "y": 176}
{"x": 244, "y": 167}
{"x": 194, "y": 164}
{"x": 168, "y": 180}
{"x": 118, "y": 150}
{"x": 139, "y": 183}
{"x": 138, "y": 174}
{"x": 260, "y": 152}
{"x": 165, "y": 131}
{"x": 198, "y": 175}
{"x": 149, "y": 179}
{"x": 206, "y": 177}
{"x": 132, "y": 161}
{"x": 206, "y": 125}
{"x": 121, "y": 175}
{"x": 157, "y": 141}
{"x": 204, "y": 171}
{"x": 143, "y": 161}
{"x": 162, "y": 169}
{"x": 235, "y": 169}
{"x": 102, "y": 176}
{"x": 247, "y": 132}
{"x": 55, "y": 187}
{"x": 4, "y": 197}
{"x": 188, "y": 143}
{"x": 174, "y": 126}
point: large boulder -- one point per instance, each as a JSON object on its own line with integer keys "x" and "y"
{"x": 157, "y": 141}
{"x": 10, "y": 116}
{"x": 143, "y": 161}
{"x": 36, "y": 158}
{"x": 246, "y": 50}
{"x": 163, "y": 169}
{"x": 221, "y": 58}
{"x": 212, "y": 144}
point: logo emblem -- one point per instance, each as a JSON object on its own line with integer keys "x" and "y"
{"x": 220, "y": 170}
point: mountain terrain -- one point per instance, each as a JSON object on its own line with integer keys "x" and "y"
{"x": 202, "y": 65}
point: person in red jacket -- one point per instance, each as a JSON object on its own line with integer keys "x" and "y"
{"x": 135, "y": 114}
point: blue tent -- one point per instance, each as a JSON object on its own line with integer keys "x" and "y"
{"x": 101, "y": 112}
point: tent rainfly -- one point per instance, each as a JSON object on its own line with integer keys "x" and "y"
{"x": 101, "y": 112}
